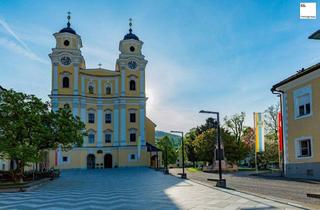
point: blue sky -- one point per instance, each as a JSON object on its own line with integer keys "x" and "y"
{"x": 216, "y": 55}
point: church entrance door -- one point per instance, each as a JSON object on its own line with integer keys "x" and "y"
{"x": 108, "y": 161}
{"x": 91, "y": 161}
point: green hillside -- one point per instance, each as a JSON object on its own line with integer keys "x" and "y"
{"x": 175, "y": 138}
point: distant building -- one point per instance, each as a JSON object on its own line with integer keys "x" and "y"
{"x": 300, "y": 105}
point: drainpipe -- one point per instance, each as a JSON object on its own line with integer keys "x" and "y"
{"x": 279, "y": 93}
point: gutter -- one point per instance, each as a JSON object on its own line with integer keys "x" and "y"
{"x": 279, "y": 93}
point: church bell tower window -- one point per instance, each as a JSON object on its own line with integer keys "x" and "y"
{"x": 65, "y": 82}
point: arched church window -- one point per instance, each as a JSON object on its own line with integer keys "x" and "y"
{"x": 132, "y": 85}
{"x": 108, "y": 90}
{"x": 65, "y": 82}
{"x": 91, "y": 89}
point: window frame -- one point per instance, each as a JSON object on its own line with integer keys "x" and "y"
{"x": 108, "y": 87}
{"x": 298, "y": 149}
{"x": 105, "y": 134}
{"x": 307, "y": 90}
{"x": 94, "y": 138}
{"x": 90, "y": 114}
{"x": 135, "y": 137}
{"x": 105, "y": 118}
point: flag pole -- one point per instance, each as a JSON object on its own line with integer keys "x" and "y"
{"x": 255, "y": 141}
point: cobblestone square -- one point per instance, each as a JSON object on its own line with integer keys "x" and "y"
{"x": 130, "y": 188}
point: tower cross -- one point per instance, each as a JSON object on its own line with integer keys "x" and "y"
{"x": 130, "y": 25}
{"x": 69, "y": 17}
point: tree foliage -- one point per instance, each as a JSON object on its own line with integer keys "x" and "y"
{"x": 166, "y": 144}
{"x": 235, "y": 125}
{"x": 28, "y": 128}
{"x": 271, "y": 121}
{"x": 190, "y": 149}
{"x": 204, "y": 145}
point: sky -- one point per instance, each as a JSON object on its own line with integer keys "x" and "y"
{"x": 214, "y": 55}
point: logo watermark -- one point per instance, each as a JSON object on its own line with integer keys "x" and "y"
{"x": 308, "y": 10}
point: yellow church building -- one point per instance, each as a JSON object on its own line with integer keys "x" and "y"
{"x": 111, "y": 103}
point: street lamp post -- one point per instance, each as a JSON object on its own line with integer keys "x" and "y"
{"x": 166, "y": 171}
{"x": 183, "y": 175}
{"x": 221, "y": 182}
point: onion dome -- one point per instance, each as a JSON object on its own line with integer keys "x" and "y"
{"x": 68, "y": 29}
{"x": 130, "y": 35}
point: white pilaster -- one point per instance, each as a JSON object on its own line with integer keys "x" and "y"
{"x": 123, "y": 82}
{"x": 83, "y": 116}
{"x": 116, "y": 125}
{"x": 99, "y": 123}
{"x": 99, "y": 87}
{"x": 75, "y": 78}
{"x": 55, "y": 79}
{"x": 55, "y": 104}
{"x": 142, "y": 83}
{"x": 83, "y": 110}
{"x": 75, "y": 109}
{"x": 116, "y": 91}
{"x": 123, "y": 124}
{"x": 142, "y": 124}
{"x": 83, "y": 88}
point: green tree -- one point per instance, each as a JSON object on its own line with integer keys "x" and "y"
{"x": 190, "y": 150}
{"x": 28, "y": 128}
{"x": 204, "y": 145}
{"x": 271, "y": 121}
{"x": 235, "y": 125}
{"x": 166, "y": 144}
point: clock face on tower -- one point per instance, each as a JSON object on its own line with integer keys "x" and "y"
{"x": 132, "y": 64}
{"x": 65, "y": 60}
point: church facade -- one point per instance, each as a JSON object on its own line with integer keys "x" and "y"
{"x": 111, "y": 103}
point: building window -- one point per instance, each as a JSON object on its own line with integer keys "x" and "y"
{"x": 133, "y": 137}
{"x": 132, "y": 117}
{"x": 304, "y": 105}
{"x": 132, "y": 157}
{"x": 132, "y": 85}
{"x": 91, "y": 89}
{"x": 303, "y": 148}
{"x": 107, "y": 138}
{"x": 64, "y": 159}
{"x": 65, "y": 82}
{"x": 108, "y": 90}
{"x": 90, "y": 118}
{"x": 302, "y": 102}
{"x": 91, "y": 138}
{"x": 108, "y": 118}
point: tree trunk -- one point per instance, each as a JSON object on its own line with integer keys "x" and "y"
{"x": 20, "y": 170}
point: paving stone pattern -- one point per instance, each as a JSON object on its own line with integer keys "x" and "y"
{"x": 130, "y": 188}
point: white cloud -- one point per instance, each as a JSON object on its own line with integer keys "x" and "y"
{"x": 20, "y": 47}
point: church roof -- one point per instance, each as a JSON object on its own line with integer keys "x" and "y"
{"x": 99, "y": 72}
{"x": 68, "y": 29}
{"x": 130, "y": 35}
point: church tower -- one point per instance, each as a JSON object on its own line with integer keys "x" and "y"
{"x": 66, "y": 60}
{"x": 131, "y": 64}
